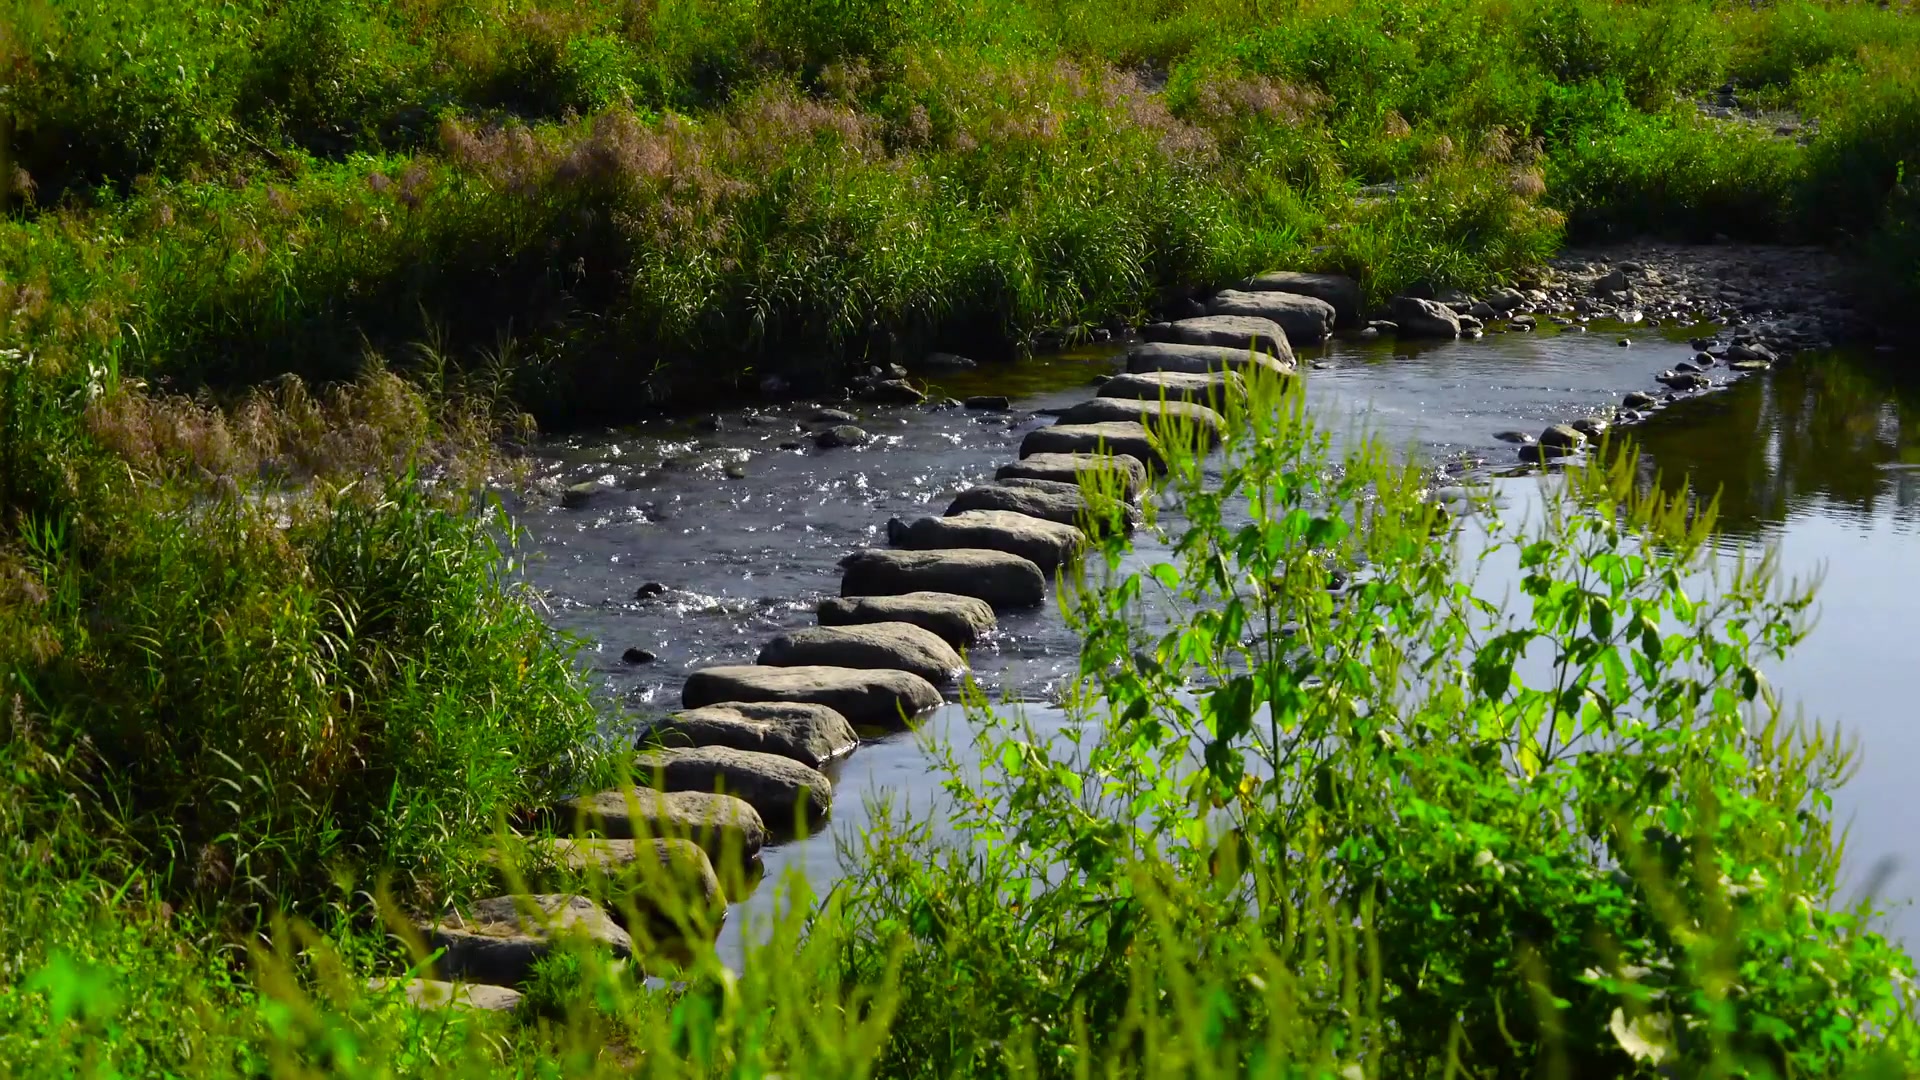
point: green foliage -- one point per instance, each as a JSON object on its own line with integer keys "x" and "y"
{"x": 1385, "y": 824}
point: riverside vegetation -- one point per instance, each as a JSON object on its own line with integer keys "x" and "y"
{"x": 269, "y": 686}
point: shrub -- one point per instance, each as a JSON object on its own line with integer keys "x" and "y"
{"x": 1319, "y": 806}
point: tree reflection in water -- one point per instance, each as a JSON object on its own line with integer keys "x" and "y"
{"x": 1830, "y": 434}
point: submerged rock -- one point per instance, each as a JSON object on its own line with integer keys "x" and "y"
{"x": 1001, "y": 579}
{"x": 809, "y": 733}
{"x": 786, "y": 793}
{"x": 957, "y": 620}
{"x": 896, "y": 646}
{"x": 841, "y": 435}
{"x": 869, "y": 698}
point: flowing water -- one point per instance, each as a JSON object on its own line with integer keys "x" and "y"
{"x": 743, "y": 522}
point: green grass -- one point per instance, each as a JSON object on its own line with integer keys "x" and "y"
{"x": 269, "y": 679}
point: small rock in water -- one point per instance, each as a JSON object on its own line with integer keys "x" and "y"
{"x": 988, "y": 402}
{"x": 1520, "y": 437}
{"x": 1705, "y": 359}
{"x": 832, "y": 416}
{"x": 1700, "y": 344}
{"x": 896, "y": 391}
{"x": 579, "y": 495}
{"x": 841, "y": 435}
{"x": 1749, "y": 365}
{"x": 1624, "y": 342}
{"x": 1562, "y": 437}
{"x": 1685, "y": 366}
{"x": 637, "y": 655}
{"x": 649, "y": 590}
{"x": 1591, "y": 426}
{"x": 1639, "y": 400}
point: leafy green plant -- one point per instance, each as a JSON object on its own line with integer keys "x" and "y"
{"x": 1385, "y": 822}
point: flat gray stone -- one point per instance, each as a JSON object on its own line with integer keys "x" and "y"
{"x": 780, "y": 788}
{"x": 1211, "y": 389}
{"x": 1338, "y": 290}
{"x": 721, "y": 824}
{"x": 498, "y": 940}
{"x": 958, "y": 620}
{"x": 1129, "y": 473}
{"x": 663, "y": 881}
{"x": 1046, "y": 544}
{"x": 867, "y": 698}
{"x": 1306, "y": 319}
{"x": 1117, "y": 437}
{"x": 1200, "y": 359}
{"x": 1237, "y": 332}
{"x": 1001, "y": 579}
{"x": 893, "y": 646}
{"x": 1163, "y": 418}
{"x": 435, "y": 994}
{"x": 1067, "y": 507}
{"x": 809, "y": 733}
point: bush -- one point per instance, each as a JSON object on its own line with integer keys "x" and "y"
{"x": 1318, "y": 806}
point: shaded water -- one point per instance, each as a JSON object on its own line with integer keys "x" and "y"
{"x": 744, "y": 522}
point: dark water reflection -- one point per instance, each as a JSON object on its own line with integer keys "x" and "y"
{"x": 1829, "y": 435}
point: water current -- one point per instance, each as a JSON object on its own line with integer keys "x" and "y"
{"x": 743, "y": 521}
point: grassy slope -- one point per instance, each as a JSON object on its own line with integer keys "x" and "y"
{"x": 616, "y": 193}
{"x": 630, "y": 190}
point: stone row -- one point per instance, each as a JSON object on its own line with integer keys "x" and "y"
{"x": 741, "y": 763}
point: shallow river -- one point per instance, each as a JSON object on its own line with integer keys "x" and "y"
{"x": 1821, "y": 457}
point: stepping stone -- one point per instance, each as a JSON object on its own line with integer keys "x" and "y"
{"x": 895, "y": 646}
{"x": 780, "y": 788}
{"x": 1046, "y": 544}
{"x": 1417, "y": 318}
{"x": 434, "y": 994}
{"x": 1306, "y": 319}
{"x": 1001, "y": 579}
{"x": 1129, "y": 473}
{"x": 720, "y": 824}
{"x": 1237, "y": 332}
{"x": 1164, "y": 418}
{"x": 1115, "y": 437}
{"x": 498, "y": 940}
{"x": 1338, "y": 290}
{"x": 1212, "y": 389}
{"x": 869, "y": 699}
{"x": 1200, "y": 359}
{"x": 957, "y": 620}
{"x": 666, "y": 883}
{"x": 809, "y": 733}
{"x": 1067, "y": 507}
